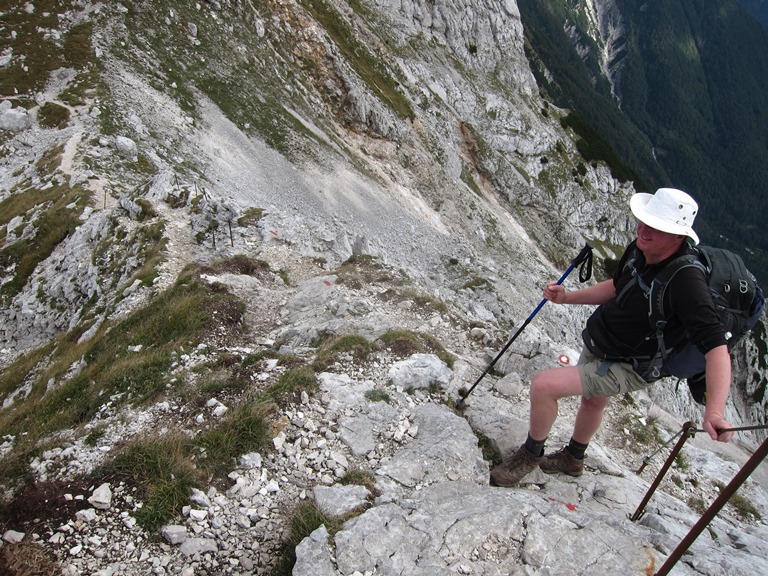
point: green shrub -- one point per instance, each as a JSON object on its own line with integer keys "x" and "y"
{"x": 52, "y": 115}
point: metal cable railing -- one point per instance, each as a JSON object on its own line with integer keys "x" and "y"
{"x": 688, "y": 431}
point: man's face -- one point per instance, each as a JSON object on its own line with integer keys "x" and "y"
{"x": 655, "y": 244}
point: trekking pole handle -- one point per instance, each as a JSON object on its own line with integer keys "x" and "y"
{"x": 585, "y": 256}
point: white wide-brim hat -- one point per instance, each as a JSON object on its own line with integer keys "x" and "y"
{"x": 669, "y": 210}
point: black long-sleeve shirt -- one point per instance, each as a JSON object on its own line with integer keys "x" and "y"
{"x": 623, "y": 330}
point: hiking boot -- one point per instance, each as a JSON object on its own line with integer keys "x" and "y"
{"x": 512, "y": 470}
{"x": 562, "y": 462}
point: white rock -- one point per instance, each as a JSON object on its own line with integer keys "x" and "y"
{"x": 200, "y": 498}
{"x": 174, "y": 534}
{"x": 126, "y": 147}
{"x": 87, "y": 515}
{"x": 250, "y": 461}
{"x": 192, "y": 546}
{"x": 13, "y": 537}
{"x": 101, "y": 497}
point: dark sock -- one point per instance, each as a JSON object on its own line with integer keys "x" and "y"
{"x": 576, "y": 449}
{"x": 535, "y": 447}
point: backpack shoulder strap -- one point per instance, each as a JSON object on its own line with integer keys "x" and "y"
{"x": 658, "y": 288}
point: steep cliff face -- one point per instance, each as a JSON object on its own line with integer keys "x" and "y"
{"x": 429, "y": 105}
{"x": 424, "y": 111}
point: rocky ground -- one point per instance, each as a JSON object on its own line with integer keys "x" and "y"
{"x": 430, "y": 474}
{"x": 449, "y": 262}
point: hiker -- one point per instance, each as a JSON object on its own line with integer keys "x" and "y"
{"x": 618, "y": 336}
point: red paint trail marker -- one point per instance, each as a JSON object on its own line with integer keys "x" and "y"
{"x": 564, "y": 360}
{"x": 571, "y": 507}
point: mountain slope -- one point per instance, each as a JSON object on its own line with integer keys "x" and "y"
{"x": 758, "y": 8}
{"x": 677, "y": 89}
{"x": 253, "y": 217}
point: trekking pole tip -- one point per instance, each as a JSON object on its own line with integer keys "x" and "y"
{"x": 463, "y": 393}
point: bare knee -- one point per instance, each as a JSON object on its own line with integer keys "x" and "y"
{"x": 540, "y": 384}
{"x": 595, "y": 403}
{"x": 556, "y": 383}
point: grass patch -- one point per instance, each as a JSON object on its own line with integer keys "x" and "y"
{"x": 697, "y": 504}
{"x": 52, "y": 115}
{"x": 741, "y": 505}
{"x": 251, "y": 217}
{"x": 244, "y": 431}
{"x": 27, "y": 559}
{"x": 356, "y": 347}
{"x": 180, "y": 317}
{"x": 407, "y": 343}
{"x": 358, "y": 477}
{"x": 372, "y": 70}
{"x": 643, "y": 433}
{"x": 163, "y": 473}
{"x": 241, "y": 264}
{"x": 305, "y": 519}
{"x": 424, "y": 300}
{"x": 292, "y": 383}
{"x": 56, "y": 213}
{"x": 363, "y": 270}
{"x": 488, "y": 449}
{"x": 377, "y": 395}
{"x": 42, "y": 54}
{"x": 166, "y": 469}
{"x": 477, "y": 284}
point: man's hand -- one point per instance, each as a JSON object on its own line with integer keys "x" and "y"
{"x": 712, "y": 426}
{"x": 555, "y": 292}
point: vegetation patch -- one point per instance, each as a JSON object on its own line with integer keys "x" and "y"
{"x": 27, "y": 559}
{"x": 43, "y": 53}
{"x": 642, "y": 431}
{"x": 52, "y": 214}
{"x": 406, "y": 343}
{"x": 373, "y": 71}
{"x": 741, "y": 505}
{"x": 305, "y": 519}
{"x": 251, "y": 217}
{"x": 241, "y": 264}
{"x": 377, "y": 395}
{"x": 52, "y": 115}
{"x": 362, "y": 270}
{"x": 351, "y": 346}
{"x": 359, "y": 477}
{"x": 162, "y": 471}
{"x": 127, "y": 361}
{"x": 292, "y": 383}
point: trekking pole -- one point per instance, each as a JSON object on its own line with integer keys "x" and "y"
{"x": 584, "y": 259}
{"x": 715, "y": 507}
{"x": 687, "y": 431}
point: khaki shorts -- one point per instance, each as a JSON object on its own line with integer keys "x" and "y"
{"x": 619, "y": 378}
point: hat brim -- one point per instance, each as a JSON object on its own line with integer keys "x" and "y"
{"x": 638, "y": 204}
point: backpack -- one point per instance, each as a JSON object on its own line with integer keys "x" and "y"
{"x": 735, "y": 293}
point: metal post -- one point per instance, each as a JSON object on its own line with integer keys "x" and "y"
{"x": 688, "y": 431}
{"x": 715, "y": 507}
